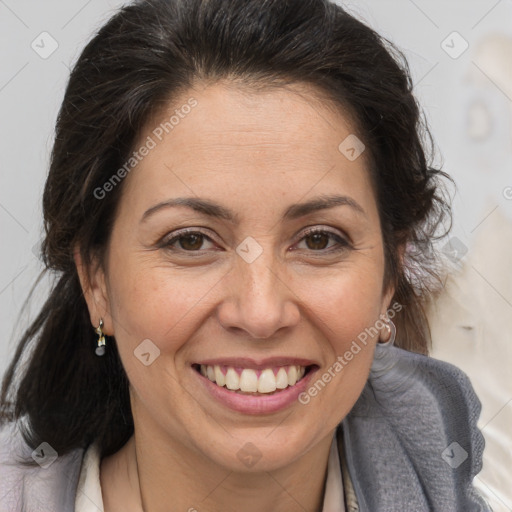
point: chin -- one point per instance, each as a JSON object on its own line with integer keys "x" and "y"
{"x": 253, "y": 451}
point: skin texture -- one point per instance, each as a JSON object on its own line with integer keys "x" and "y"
{"x": 256, "y": 153}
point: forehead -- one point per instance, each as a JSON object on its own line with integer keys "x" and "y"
{"x": 249, "y": 120}
{"x": 276, "y": 143}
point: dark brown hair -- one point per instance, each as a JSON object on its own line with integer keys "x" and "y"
{"x": 148, "y": 53}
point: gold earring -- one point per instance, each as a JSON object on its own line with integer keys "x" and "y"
{"x": 100, "y": 349}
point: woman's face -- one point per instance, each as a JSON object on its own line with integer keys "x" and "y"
{"x": 249, "y": 288}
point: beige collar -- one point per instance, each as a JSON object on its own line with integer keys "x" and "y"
{"x": 351, "y": 503}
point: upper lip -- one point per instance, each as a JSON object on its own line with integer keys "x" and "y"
{"x": 257, "y": 364}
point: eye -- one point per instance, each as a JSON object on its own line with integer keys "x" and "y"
{"x": 319, "y": 240}
{"x": 188, "y": 240}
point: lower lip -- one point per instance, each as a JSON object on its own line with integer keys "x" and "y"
{"x": 251, "y": 404}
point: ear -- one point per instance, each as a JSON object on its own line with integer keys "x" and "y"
{"x": 387, "y": 298}
{"x": 390, "y": 292}
{"x": 94, "y": 288}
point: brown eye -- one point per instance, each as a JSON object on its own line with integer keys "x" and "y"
{"x": 317, "y": 240}
{"x": 189, "y": 241}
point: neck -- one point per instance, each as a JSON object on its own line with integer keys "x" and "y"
{"x": 156, "y": 477}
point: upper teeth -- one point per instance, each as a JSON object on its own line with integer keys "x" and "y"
{"x": 248, "y": 379}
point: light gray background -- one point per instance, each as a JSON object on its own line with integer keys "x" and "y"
{"x": 468, "y": 101}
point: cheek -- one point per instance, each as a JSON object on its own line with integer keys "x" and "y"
{"x": 346, "y": 304}
{"x": 346, "y": 309}
{"x": 155, "y": 302}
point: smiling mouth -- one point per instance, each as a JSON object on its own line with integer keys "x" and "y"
{"x": 246, "y": 381}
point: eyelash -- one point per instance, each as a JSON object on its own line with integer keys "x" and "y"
{"x": 342, "y": 242}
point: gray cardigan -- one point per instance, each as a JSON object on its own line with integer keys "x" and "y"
{"x": 411, "y": 445}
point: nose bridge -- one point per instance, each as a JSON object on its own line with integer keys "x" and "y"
{"x": 260, "y": 281}
{"x": 257, "y": 266}
{"x": 259, "y": 289}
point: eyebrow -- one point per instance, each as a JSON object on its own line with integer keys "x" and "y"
{"x": 294, "y": 211}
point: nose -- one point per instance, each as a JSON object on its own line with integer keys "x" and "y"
{"x": 260, "y": 299}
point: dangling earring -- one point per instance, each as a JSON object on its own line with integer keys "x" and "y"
{"x": 100, "y": 349}
{"x": 390, "y": 326}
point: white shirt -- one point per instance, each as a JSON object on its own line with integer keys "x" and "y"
{"x": 89, "y": 498}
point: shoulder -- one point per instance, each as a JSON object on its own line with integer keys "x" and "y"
{"x": 411, "y": 439}
{"x": 49, "y": 485}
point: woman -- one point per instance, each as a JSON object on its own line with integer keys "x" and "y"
{"x": 240, "y": 213}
